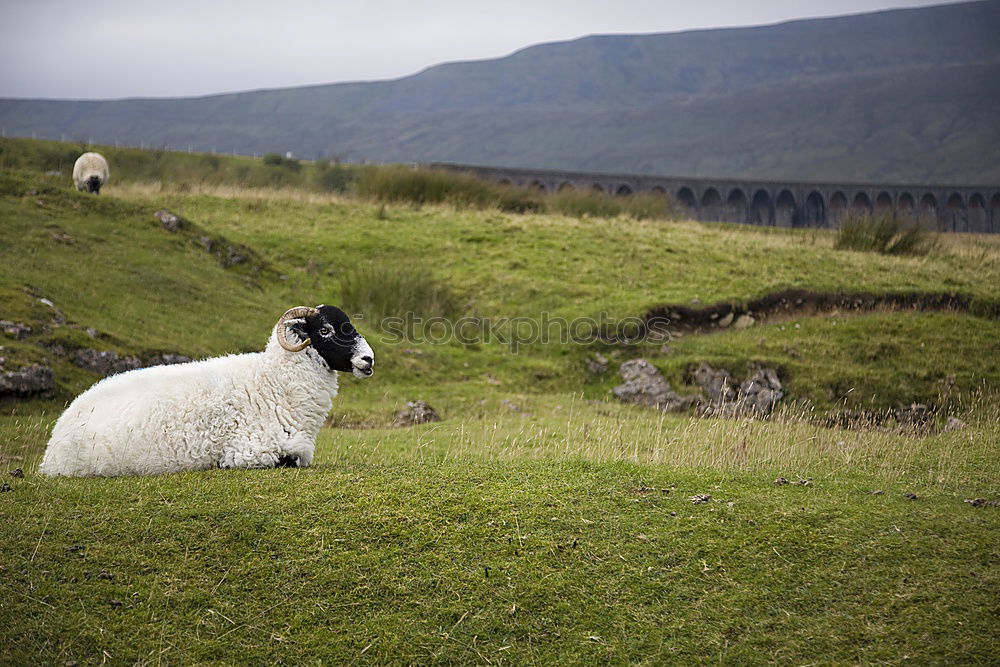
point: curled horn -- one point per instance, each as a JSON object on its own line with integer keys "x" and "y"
{"x": 292, "y": 313}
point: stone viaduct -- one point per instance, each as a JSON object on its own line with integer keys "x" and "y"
{"x": 775, "y": 203}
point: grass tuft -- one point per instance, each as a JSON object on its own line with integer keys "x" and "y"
{"x": 429, "y": 186}
{"x": 382, "y": 290}
{"x": 885, "y": 234}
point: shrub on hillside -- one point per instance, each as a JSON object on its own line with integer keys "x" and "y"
{"x": 383, "y": 290}
{"x": 580, "y": 204}
{"x": 332, "y": 178}
{"x": 884, "y": 233}
{"x": 593, "y": 203}
{"x": 431, "y": 186}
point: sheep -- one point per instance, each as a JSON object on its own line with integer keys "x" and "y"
{"x": 90, "y": 172}
{"x": 255, "y": 410}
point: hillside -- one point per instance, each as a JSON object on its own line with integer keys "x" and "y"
{"x": 541, "y": 521}
{"x": 497, "y": 266}
{"x": 905, "y": 95}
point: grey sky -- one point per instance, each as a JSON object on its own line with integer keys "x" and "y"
{"x": 101, "y": 49}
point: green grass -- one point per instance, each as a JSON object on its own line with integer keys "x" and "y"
{"x": 512, "y": 562}
{"x": 531, "y": 525}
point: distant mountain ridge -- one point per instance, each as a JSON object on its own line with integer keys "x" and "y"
{"x": 907, "y": 95}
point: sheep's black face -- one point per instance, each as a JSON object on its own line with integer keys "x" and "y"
{"x": 94, "y": 185}
{"x": 339, "y": 343}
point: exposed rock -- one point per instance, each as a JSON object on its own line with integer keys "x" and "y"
{"x": 170, "y": 222}
{"x": 744, "y": 321}
{"x": 761, "y": 390}
{"x": 726, "y": 321}
{"x": 16, "y": 330}
{"x": 781, "y": 481}
{"x": 701, "y": 498}
{"x": 57, "y": 315}
{"x": 953, "y": 424}
{"x": 756, "y": 395}
{"x": 31, "y": 381}
{"x": 57, "y": 349}
{"x": 167, "y": 359}
{"x": 717, "y": 383}
{"x": 915, "y": 414}
{"x": 62, "y": 237}
{"x": 644, "y": 385}
{"x": 105, "y": 362}
{"x": 597, "y": 364}
{"x": 231, "y": 255}
{"x": 415, "y": 412}
{"x": 228, "y": 254}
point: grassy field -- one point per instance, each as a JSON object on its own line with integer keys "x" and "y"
{"x": 540, "y": 521}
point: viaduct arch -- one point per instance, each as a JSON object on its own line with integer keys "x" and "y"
{"x": 951, "y": 208}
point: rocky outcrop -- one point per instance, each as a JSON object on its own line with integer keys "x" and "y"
{"x": 415, "y": 412}
{"x": 169, "y": 221}
{"x": 228, "y": 254}
{"x": 27, "y": 382}
{"x": 597, "y": 364}
{"x": 15, "y": 330}
{"x": 106, "y": 362}
{"x": 644, "y": 385}
{"x": 167, "y": 359}
{"x": 757, "y": 395}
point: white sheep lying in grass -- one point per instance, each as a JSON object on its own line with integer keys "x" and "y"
{"x": 257, "y": 410}
{"x": 90, "y": 172}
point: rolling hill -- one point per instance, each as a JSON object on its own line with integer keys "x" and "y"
{"x": 541, "y": 521}
{"x": 905, "y": 95}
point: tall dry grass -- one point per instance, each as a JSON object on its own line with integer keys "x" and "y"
{"x": 148, "y": 189}
{"x": 792, "y": 442}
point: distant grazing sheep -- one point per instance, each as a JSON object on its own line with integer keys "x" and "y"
{"x": 257, "y": 410}
{"x": 91, "y": 172}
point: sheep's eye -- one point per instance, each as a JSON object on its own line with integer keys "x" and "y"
{"x": 326, "y": 331}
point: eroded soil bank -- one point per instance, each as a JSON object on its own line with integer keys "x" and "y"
{"x": 797, "y": 303}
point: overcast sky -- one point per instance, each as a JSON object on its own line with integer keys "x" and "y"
{"x": 105, "y": 49}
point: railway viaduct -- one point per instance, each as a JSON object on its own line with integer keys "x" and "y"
{"x": 775, "y": 203}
